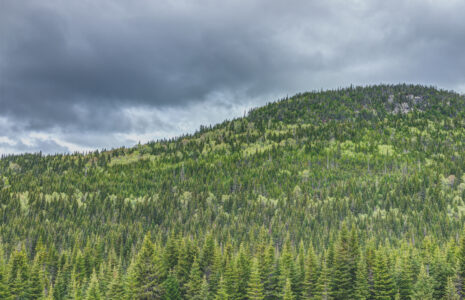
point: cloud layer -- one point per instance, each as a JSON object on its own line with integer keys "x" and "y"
{"x": 79, "y": 75}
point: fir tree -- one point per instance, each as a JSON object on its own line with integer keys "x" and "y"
{"x": 4, "y": 289}
{"x": 36, "y": 288}
{"x": 423, "y": 289}
{"x": 311, "y": 274}
{"x": 221, "y": 294}
{"x": 362, "y": 288}
{"x": 171, "y": 288}
{"x": 341, "y": 283}
{"x": 255, "y": 288}
{"x": 93, "y": 291}
{"x": 116, "y": 287}
{"x": 383, "y": 283}
{"x": 451, "y": 290}
{"x": 323, "y": 291}
{"x": 194, "y": 286}
{"x": 288, "y": 294}
{"x": 146, "y": 272}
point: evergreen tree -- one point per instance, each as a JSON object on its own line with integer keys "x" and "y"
{"x": 423, "y": 289}
{"x": 221, "y": 294}
{"x": 243, "y": 273}
{"x": 311, "y": 274}
{"x": 272, "y": 287}
{"x": 383, "y": 283}
{"x": 461, "y": 267}
{"x": 323, "y": 291}
{"x": 255, "y": 288}
{"x": 362, "y": 288}
{"x": 93, "y": 291}
{"x": 194, "y": 286}
{"x": 231, "y": 279}
{"x": 405, "y": 280}
{"x": 146, "y": 272}
{"x": 4, "y": 289}
{"x": 171, "y": 288}
{"x": 451, "y": 290}
{"x": 341, "y": 284}
{"x": 205, "y": 289}
{"x": 36, "y": 288}
{"x": 116, "y": 287}
{"x": 288, "y": 294}
{"x": 19, "y": 275}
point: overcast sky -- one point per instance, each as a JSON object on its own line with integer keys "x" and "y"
{"x": 78, "y": 75}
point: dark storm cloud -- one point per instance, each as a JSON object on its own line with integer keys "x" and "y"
{"x": 86, "y": 74}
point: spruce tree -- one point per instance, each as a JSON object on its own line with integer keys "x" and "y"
{"x": 288, "y": 294}
{"x": 461, "y": 267}
{"x": 146, "y": 272}
{"x": 171, "y": 288}
{"x": 4, "y": 289}
{"x": 194, "y": 286}
{"x": 116, "y": 287}
{"x": 383, "y": 283}
{"x": 36, "y": 286}
{"x": 221, "y": 294}
{"x": 255, "y": 287}
{"x": 205, "y": 289}
{"x": 341, "y": 284}
{"x": 19, "y": 275}
{"x": 423, "y": 289}
{"x": 451, "y": 290}
{"x": 405, "y": 280}
{"x": 311, "y": 274}
{"x": 323, "y": 291}
{"x": 93, "y": 291}
{"x": 362, "y": 288}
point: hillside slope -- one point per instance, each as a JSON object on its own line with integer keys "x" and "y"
{"x": 385, "y": 160}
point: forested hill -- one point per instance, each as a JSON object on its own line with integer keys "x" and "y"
{"x": 354, "y": 193}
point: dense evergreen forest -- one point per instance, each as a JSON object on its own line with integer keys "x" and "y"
{"x": 355, "y": 193}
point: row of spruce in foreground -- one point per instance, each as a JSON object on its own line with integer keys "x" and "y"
{"x": 183, "y": 269}
{"x": 386, "y": 160}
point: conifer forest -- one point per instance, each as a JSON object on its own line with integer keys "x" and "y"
{"x": 354, "y": 193}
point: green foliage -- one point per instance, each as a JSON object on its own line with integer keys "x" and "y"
{"x": 354, "y": 193}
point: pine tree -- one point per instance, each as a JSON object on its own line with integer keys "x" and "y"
{"x": 116, "y": 287}
{"x": 243, "y": 273}
{"x": 288, "y": 294}
{"x": 255, "y": 287}
{"x": 36, "y": 287}
{"x": 323, "y": 291}
{"x": 171, "y": 253}
{"x": 311, "y": 275}
{"x": 362, "y": 288}
{"x": 19, "y": 275}
{"x": 171, "y": 288}
{"x": 146, "y": 272}
{"x": 272, "y": 285}
{"x": 451, "y": 290}
{"x": 423, "y": 289}
{"x": 221, "y": 294}
{"x": 4, "y": 289}
{"x": 231, "y": 279}
{"x": 205, "y": 289}
{"x": 93, "y": 291}
{"x": 194, "y": 286}
{"x": 461, "y": 267}
{"x": 405, "y": 280}
{"x": 383, "y": 283}
{"x": 341, "y": 283}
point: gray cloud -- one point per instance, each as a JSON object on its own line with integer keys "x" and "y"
{"x": 88, "y": 74}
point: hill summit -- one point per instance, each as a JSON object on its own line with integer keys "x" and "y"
{"x": 376, "y": 170}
